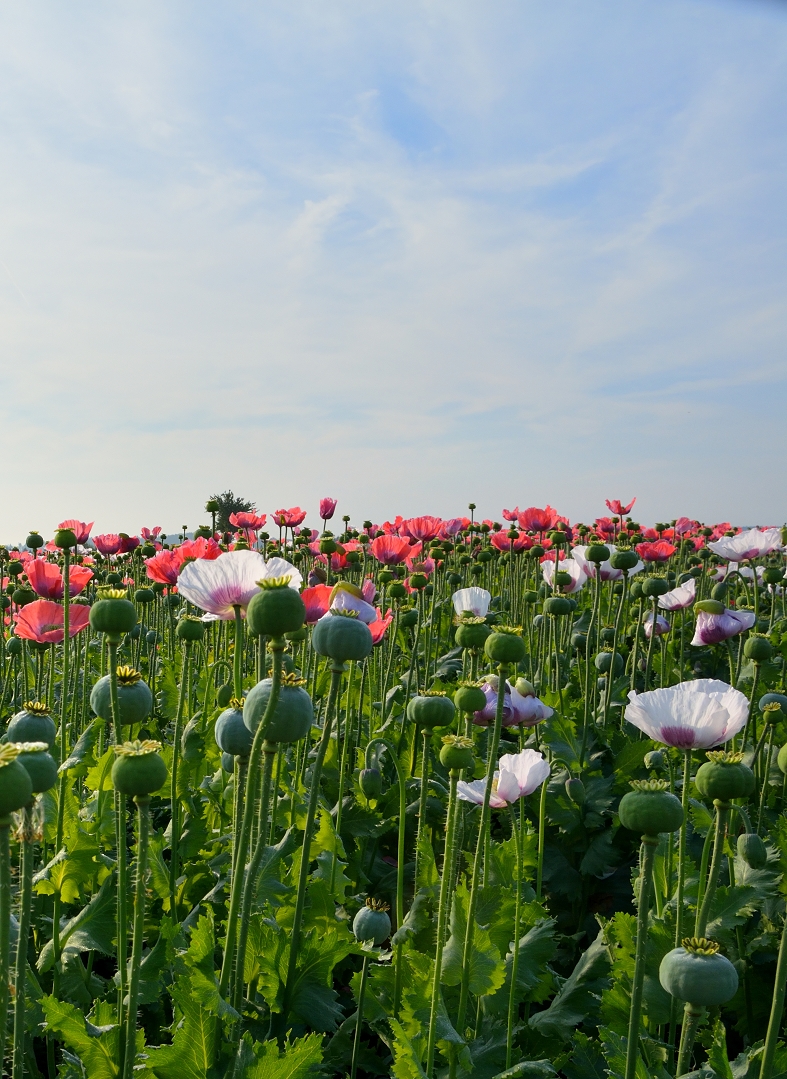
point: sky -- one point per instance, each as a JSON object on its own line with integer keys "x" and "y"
{"x": 408, "y": 255}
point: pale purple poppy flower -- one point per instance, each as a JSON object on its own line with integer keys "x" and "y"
{"x": 715, "y": 628}
{"x": 691, "y": 715}
{"x": 518, "y": 776}
{"x": 679, "y": 598}
{"x": 217, "y": 586}
{"x": 662, "y": 625}
{"x": 752, "y": 543}
{"x": 345, "y": 600}
{"x": 579, "y": 554}
{"x": 566, "y": 565}
{"x": 518, "y": 710}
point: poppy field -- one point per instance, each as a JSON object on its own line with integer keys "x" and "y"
{"x": 424, "y": 798}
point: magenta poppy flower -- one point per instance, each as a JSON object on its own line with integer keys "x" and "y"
{"x": 128, "y": 543}
{"x": 327, "y": 508}
{"x": 47, "y": 580}
{"x": 108, "y": 543}
{"x": 150, "y": 535}
{"x": 317, "y": 600}
{"x": 503, "y": 542}
{"x": 43, "y": 621}
{"x": 715, "y": 628}
{"x": 391, "y": 550}
{"x": 511, "y": 515}
{"x": 615, "y": 506}
{"x": 451, "y": 528}
{"x": 684, "y": 525}
{"x": 290, "y": 518}
{"x": 698, "y": 714}
{"x": 80, "y": 529}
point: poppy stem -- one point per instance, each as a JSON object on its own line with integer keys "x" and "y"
{"x": 443, "y": 909}
{"x": 647, "y": 855}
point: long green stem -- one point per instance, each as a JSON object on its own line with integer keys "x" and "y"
{"x": 515, "y": 957}
{"x": 143, "y": 839}
{"x": 691, "y": 1021}
{"x": 777, "y": 1009}
{"x": 173, "y": 790}
{"x": 23, "y": 939}
{"x": 5, "y": 930}
{"x": 359, "y": 1017}
{"x": 679, "y": 912}
{"x": 648, "y": 853}
{"x": 722, "y": 813}
{"x": 442, "y": 918}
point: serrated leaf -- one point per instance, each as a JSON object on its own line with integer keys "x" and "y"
{"x": 486, "y": 967}
{"x": 407, "y": 1054}
{"x": 730, "y": 907}
{"x": 578, "y": 998}
{"x": 193, "y": 1048}
{"x": 615, "y": 1056}
{"x": 84, "y": 746}
{"x": 71, "y": 870}
{"x": 264, "y": 1061}
{"x": 586, "y": 1060}
{"x": 537, "y": 947}
{"x": 97, "y": 1048}
{"x": 717, "y": 1052}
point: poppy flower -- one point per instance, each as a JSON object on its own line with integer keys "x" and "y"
{"x": 380, "y": 625}
{"x": 348, "y": 597}
{"x": 219, "y": 585}
{"x": 565, "y": 565}
{"x": 661, "y": 551}
{"x": 504, "y": 543}
{"x": 248, "y": 520}
{"x": 150, "y": 535}
{"x": 535, "y": 520}
{"x": 684, "y": 525}
{"x": 421, "y": 528}
{"x": 715, "y": 628}
{"x": 391, "y": 550}
{"x": 518, "y": 710}
{"x": 679, "y": 598}
{"x": 449, "y": 529}
{"x": 128, "y": 543}
{"x": 189, "y": 550}
{"x": 43, "y": 621}
{"x": 519, "y": 775}
{"x": 163, "y": 567}
{"x": 473, "y": 600}
{"x": 47, "y": 580}
{"x": 616, "y": 506}
{"x": 691, "y": 715}
{"x": 290, "y": 518}
{"x": 511, "y": 515}
{"x": 662, "y": 625}
{"x": 108, "y": 543}
{"x": 606, "y": 571}
{"x": 79, "y": 528}
{"x": 749, "y": 544}
{"x": 327, "y": 508}
{"x": 317, "y": 600}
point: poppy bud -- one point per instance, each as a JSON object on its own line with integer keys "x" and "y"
{"x": 758, "y": 648}
{"x": 575, "y": 789}
{"x": 654, "y": 760}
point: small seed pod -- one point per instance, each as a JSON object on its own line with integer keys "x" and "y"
{"x": 431, "y": 710}
{"x": 231, "y": 733}
{"x": 469, "y": 698}
{"x": 505, "y": 645}
{"x": 372, "y": 922}
{"x": 457, "y": 752}
{"x": 138, "y": 769}
{"x": 33, "y": 724}
{"x": 276, "y": 609}
{"x": 752, "y": 850}
{"x": 650, "y": 809}
{"x": 114, "y": 613}
{"x": 190, "y": 628}
{"x": 575, "y": 789}
{"x": 724, "y": 776}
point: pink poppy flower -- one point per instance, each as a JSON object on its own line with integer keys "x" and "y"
{"x": 523, "y": 542}
{"x": 248, "y": 520}
{"x": 108, "y": 544}
{"x": 679, "y": 598}
{"x": 684, "y": 525}
{"x": 369, "y": 590}
{"x": 661, "y": 551}
{"x": 566, "y": 565}
{"x": 535, "y": 520}
{"x": 150, "y": 535}
{"x": 715, "y": 628}
{"x": 219, "y": 585}
{"x": 79, "y": 528}
{"x": 327, "y": 508}
{"x": 421, "y": 528}
{"x": 605, "y": 526}
{"x": 190, "y": 550}
{"x": 163, "y": 567}
{"x": 380, "y": 625}
{"x": 47, "y": 580}
{"x": 290, "y": 518}
{"x": 691, "y": 715}
{"x": 317, "y": 600}
{"x": 128, "y": 543}
{"x": 511, "y": 515}
{"x": 391, "y": 550}
{"x": 749, "y": 544}
{"x": 449, "y": 529}
{"x": 616, "y": 506}
{"x": 43, "y": 621}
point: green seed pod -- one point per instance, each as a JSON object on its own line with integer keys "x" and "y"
{"x": 697, "y": 973}
{"x": 294, "y": 713}
{"x": 228, "y": 762}
{"x": 39, "y": 765}
{"x": 190, "y": 628}
{"x": 408, "y": 618}
{"x": 144, "y": 595}
{"x": 505, "y": 646}
{"x": 138, "y": 769}
{"x": 710, "y": 606}
{"x": 135, "y": 699}
{"x": 752, "y": 850}
{"x": 598, "y": 553}
{"x": 33, "y": 724}
{"x": 276, "y": 609}
{"x": 558, "y": 606}
{"x": 224, "y": 695}
{"x": 372, "y": 922}
{"x": 724, "y": 776}
{"x": 603, "y": 662}
{"x": 655, "y": 586}
{"x": 758, "y": 648}
{"x": 654, "y": 761}
{"x": 431, "y": 710}
{"x": 14, "y": 647}
{"x": 773, "y": 698}
{"x": 472, "y": 633}
{"x": 650, "y": 809}
{"x": 457, "y": 752}
{"x": 113, "y": 614}
{"x": 231, "y": 733}
{"x": 575, "y": 789}
{"x": 341, "y": 637}
{"x": 781, "y": 760}
{"x": 16, "y": 787}
{"x": 469, "y": 698}
{"x": 370, "y": 781}
{"x": 624, "y": 558}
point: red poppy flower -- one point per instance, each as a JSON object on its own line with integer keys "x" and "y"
{"x": 616, "y": 506}
{"x": 47, "y": 580}
{"x": 79, "y": 528}
{"x": 43, "y": 621}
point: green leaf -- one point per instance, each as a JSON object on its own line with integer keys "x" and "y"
{"x": 536, "y": 948}
{"x": 615, "y": 1056}
{"x": 560, "y": 734}
{"x": 98, "y": 1048}
{"x": 578, "y": 998}
{"x": 84, "y": 747}
{"x": 717, "y": 1052}
{"x": 99, "y": 777}
{"x": 417, "y": 1003}
{"x": 486, "y": 967}
{"x": 71, "y": 870}
{"x": 528, "y": 1069}
{"x": 408, "y": 1053}
{"x": 92, "y": 929}
{"x": 193, "y": 1048}
{"x": 601, "y": 856}
{"x": 730, "y": 907}
{"x": 586, "y": 1060}
{"x": 264, "y": 1061}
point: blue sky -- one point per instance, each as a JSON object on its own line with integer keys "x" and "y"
{"x": 406, "y": 255}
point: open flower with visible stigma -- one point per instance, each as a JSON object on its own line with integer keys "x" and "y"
{"x": 691, "y": 715}
{"x": 217, "y": 586}
{"x": 518, "y": 776}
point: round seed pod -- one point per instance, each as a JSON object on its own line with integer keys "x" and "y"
{"x": 724, "y": 776}
{"x": 469, "y": 699}
{"x": 231, "y": 733}
{"x": 650, "y": 809}
{"x": 16, "y": 787}
{"x": 372, "y": 922}
{"x": 457, "y": 752}
{"x": 276, "y": 609}
{"x": 294, "y": 713}
{"x": 135, "y": 699}
{"x": 698, "y": 973}
{"x": 39, "y": 765}
{"x": 341, "y": 637}
{"x": 113, "y": 613}
{"x": 505, "y": 646}
{"x": 138, "y": 769}
{"x": 33, "y": 724}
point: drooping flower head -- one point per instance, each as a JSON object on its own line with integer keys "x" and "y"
{"x": 712, "y": 628}
{"x": 749, "y": 544}
{"x": 691, "y": 715}
{"x": 662, "y": 625}
{"x": 44, "y": 621}
{"x": 217, "y": 586}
